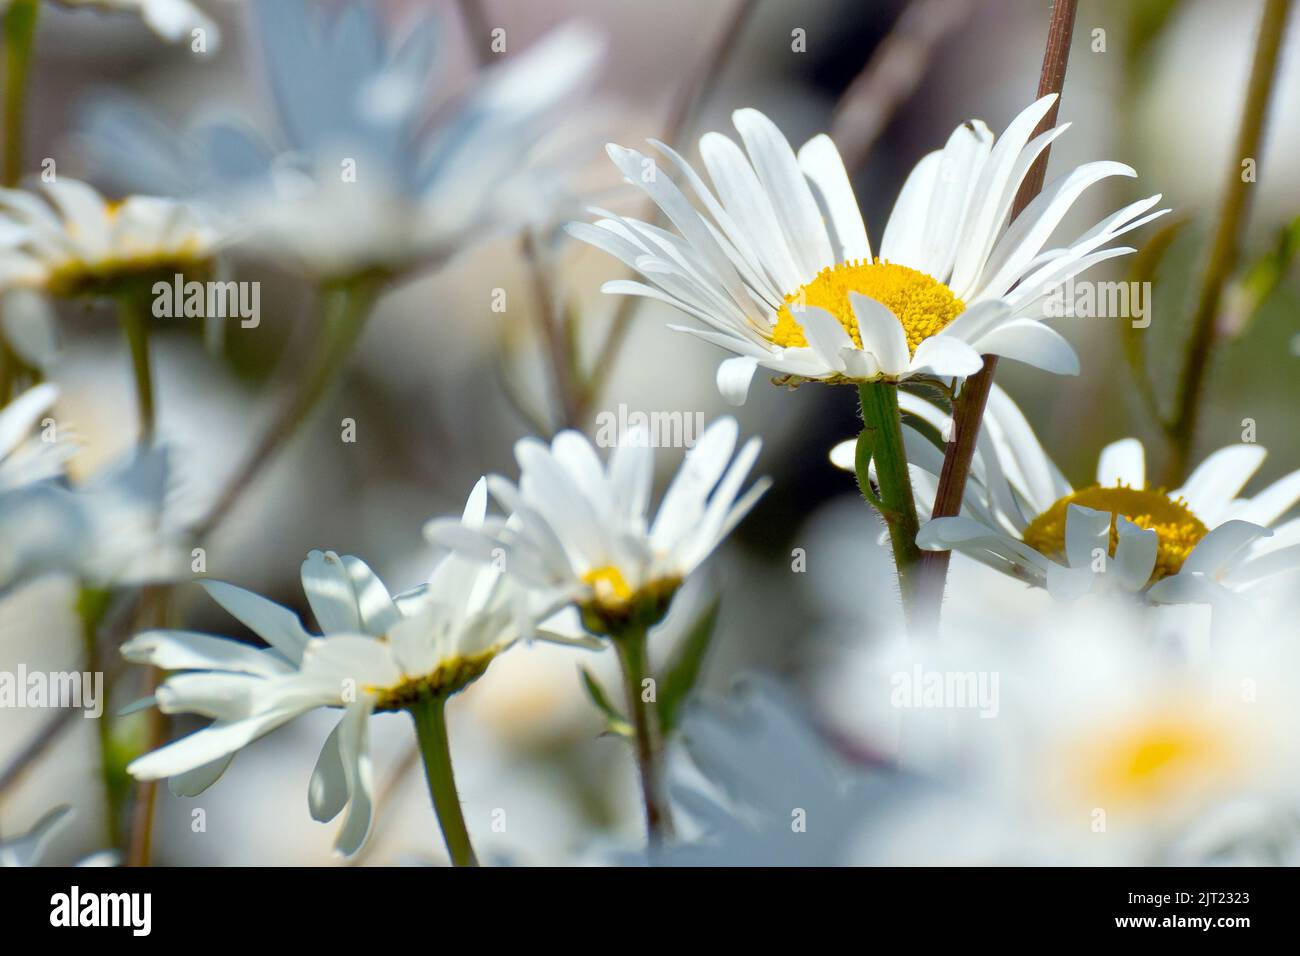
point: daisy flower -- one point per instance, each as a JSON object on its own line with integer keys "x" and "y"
{"x": 1199, "y": 543}
{"x": 360, "y": 176}
{"x": 76, "y": 242}
{"x": 376, "y": 653}
{"x": 581, "y": 530}
{"x": 779, "y": 267}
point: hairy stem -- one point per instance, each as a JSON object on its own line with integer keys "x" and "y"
{"x": 633, "y": 660}
{"x": 1225, "y": 248}
{"x": 431, "y": 728}
{"x": 133, "y": 315}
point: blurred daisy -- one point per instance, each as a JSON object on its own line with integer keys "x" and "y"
{"x": 172, "y": 20}
{"x": 362, "y": 178}
{"x": 1107, "y": 746}
{"x": 28, "y": 849}
{"x": 1199, "y": 543}
{"x": 24, "y": 458}
{"x": 580, "y": 529}
{"x": 376, "y": 653}
{"x": 781, "y": 271}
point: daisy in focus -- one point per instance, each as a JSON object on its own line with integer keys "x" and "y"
{"x": 1200, "y": 543}
{"x": 376, "y": 653}
{"x": 581, "y": 530}
{"x": 782, "y": 273}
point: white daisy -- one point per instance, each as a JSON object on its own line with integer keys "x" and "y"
{"x": 581, "y": 529}
{"x": 376, "y": 653}
{"x": 78, "y": 243}
{"x": 782, "y": 272}
{"x": 25, "y": 459}
{"x": 1200, "y": 543}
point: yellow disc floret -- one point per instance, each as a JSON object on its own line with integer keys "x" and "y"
{"x": 1178, "y": 530}
{"x": 922, "y": 304}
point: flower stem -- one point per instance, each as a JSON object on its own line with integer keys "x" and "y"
{"x": 91, "y": 605}
{"x": 968, "y": 409}
{"x": 431, "y": 728}
{"x": 19, "y": 32}
{"x": 1225, "y": 248}
{"x": 633, "y": 660}
{"x": 881, "y": 441}
{"x": 133, "y": 315}
{"x": 346, "y": 307}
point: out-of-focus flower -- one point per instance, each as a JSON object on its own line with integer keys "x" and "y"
{"x": 28, "y": 849}
{"x": 25, "y": 459}
{"x": 172, "y": 20}
{"x": 782, "y": 273}
{"x": 580, "y": 529}
{"x": 1199, "y": 543}
{"x": 80, "y": 244}
{"x": 1090, "y": 738}
{"x": 763, "y": 788}
{"x": 362, "y": 179}
{"x": 376, "y": 653}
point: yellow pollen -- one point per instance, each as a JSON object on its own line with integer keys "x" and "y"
{"x": 1176, "y": 528}
{"x": 923, "y": 305}
{"x": 1163, "y": 755}
{"x": 609, "y": 584}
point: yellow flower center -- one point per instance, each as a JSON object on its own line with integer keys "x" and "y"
{"x": 922, "y": 304}
{"x": 1176, "y": 528}
{"x": 610, "y": 587}
{"x": 1164, "y": 755}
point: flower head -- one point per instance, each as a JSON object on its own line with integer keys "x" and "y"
{"x": 581, "y": 530}
{"x": 377, "y": 652}
{"x": 779, "y": 267}
{"x": 1199, "y": 543}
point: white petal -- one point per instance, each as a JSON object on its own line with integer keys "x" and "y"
{"x": 1122, "y": 462}
{"x": 1031, "y": 342}
{"x": 882, "y": 334}
{"x": 329, "y": 592}
{"x": 734, "y": 376}
{"x": 821, "y": 163}
{"x": 276, "y": 625}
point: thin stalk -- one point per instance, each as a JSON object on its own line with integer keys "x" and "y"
{"x": 91, "y": 604}
{"x": 431, "y": 728}
{"x": 133, "y": 315}
{"x": 19, "y": 32}
{"x": 968, "y": 409}
{"x": 1225, "y": 249}
{"x": 881, "y": 441}
{"x": 152, "y": 612}
{"x": 347, "y": 307}
{"x": 633, "y": 659}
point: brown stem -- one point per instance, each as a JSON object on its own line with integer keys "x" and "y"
{"x": 968, "y": 409}
{"x": 1225, "y": 249}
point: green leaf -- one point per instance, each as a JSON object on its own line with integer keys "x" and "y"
{"x": 1259, "y": 280}
{"x": 681, "y": 675}
{"x": 615, "y": 722}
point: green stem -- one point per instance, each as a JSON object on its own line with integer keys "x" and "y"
{"x": 133, "y": 314}
{"x": 91, "y": 605}
{"x": 882, "y": 441}
{"x": 431, "y": 728}
{"x": 346, "y": 307}
{"x": 19, "y": 31}
{"x": 1225, "y": 249}
{"x": 633, "y": 659}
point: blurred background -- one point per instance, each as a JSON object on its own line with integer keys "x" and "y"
{"x": 1157, "y": 85}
